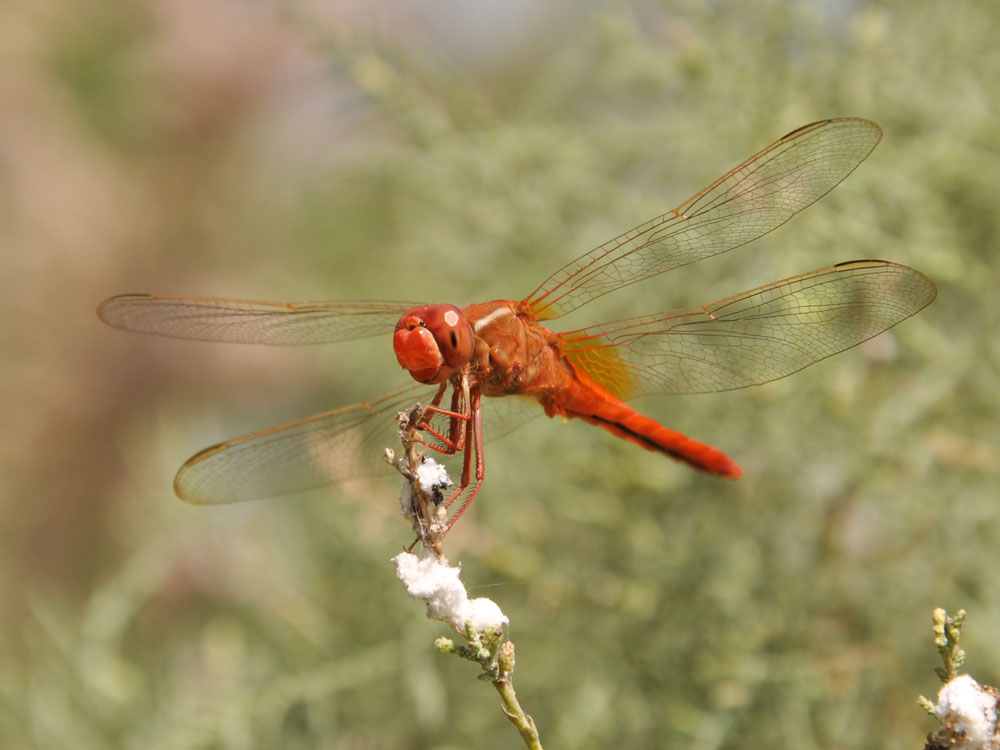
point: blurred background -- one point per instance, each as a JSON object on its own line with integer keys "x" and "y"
{"x": 462, "y": 152}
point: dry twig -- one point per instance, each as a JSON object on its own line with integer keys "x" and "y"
{"x": 430, "y": 578}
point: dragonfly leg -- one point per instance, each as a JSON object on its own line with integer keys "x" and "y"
{"x": 465, "y": 434}
{"x": 458, "y": 417}
{"x": 474, "y": 445}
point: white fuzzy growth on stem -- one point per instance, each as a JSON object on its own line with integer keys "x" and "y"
{"x": 432, "y": 475}
{"x": 968, "y": 712}
{"x": 438, "y": 584}
{"x": 432, "y": 479}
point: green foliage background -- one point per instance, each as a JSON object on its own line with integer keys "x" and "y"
{"x": 425, "y": 151}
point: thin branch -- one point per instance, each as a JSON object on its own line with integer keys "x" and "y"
{"x": 430, "y": 578}
{"x": 967, "y": 710}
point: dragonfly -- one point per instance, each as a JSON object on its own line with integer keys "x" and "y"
{"x": 502, "y": 349}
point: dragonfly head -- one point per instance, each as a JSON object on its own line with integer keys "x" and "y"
{"x": 433, "y": 342}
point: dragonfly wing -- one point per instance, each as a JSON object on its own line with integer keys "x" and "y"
{"x": 503, "y": 415}
{"x": 335, "y": 446}
{"x": 753, "y": 337}
{"x": 249, "y": 321}
{"x": 747, "y": 202}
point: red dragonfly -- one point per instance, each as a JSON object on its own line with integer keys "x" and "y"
{"x": 500, "y": 348}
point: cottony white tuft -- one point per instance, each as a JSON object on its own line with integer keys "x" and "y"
{"x": 433, "y": 480}
{"x": 438, "y": 584}
{"x": 968, "y": 712}
{"x": 432, "y": 475}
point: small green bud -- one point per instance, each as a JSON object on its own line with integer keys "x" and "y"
{"x": 444, "y": 645}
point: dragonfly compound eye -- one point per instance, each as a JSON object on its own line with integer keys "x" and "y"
{"x": 453, "y": 334}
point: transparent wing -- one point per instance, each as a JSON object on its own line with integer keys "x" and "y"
{"x": 753, "y": 337}
{"x": 335, "y": 446}
{"x": 751, "y": 200}
{"x": 248, "y": 321}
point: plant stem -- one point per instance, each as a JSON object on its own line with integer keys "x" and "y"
{"x": 438, "y": 584}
